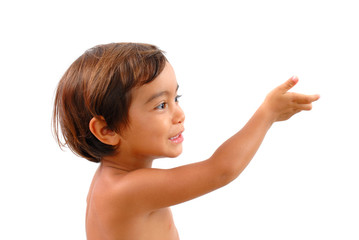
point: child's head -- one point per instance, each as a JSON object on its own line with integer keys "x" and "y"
{"x": 99, "y": 83}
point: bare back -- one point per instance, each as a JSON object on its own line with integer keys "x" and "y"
{"x": 109, "y": 218}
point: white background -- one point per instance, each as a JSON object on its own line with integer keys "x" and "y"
{"x": 303, "y": 182}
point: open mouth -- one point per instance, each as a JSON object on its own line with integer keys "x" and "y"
{"x": 177, "y": 139}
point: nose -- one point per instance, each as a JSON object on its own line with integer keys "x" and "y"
{"x": 178, "y": 116}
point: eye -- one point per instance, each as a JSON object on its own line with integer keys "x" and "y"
{"x": 161, "y": 106}
{"x": 177, "y": 97}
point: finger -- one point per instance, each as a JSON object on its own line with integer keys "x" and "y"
{"x": 304, "y": 99}
{"x": 306, "y": 107}
{"x": 302, "y": 107}
{"x": 288, "y": 84}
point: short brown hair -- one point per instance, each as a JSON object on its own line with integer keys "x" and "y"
{"x": 99, "y": 83}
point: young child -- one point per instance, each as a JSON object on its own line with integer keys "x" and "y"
{"x": 117, "y": 104}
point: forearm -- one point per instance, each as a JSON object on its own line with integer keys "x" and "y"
{"x": 233, "y": 156}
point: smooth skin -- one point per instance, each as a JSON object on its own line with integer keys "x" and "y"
{"x": 130, "y": 200}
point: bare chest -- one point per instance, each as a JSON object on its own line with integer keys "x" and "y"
{"x": 156, "y": 225}
{"x": 160, "y": 223}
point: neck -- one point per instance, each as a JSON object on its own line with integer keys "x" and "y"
{"x": 126, "y": 163}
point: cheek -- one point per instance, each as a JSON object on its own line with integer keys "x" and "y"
{"x": 151, "y": 128}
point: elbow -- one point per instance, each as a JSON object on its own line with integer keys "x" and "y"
{"x": 227, "y": 170}
{"x": 225, "y": 178}
{"x": 226, "y": 174}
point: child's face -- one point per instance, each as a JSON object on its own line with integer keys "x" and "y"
{"x": 155, "y": 119}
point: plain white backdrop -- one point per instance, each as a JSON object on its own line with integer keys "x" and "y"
{"x": 303, "y": 182}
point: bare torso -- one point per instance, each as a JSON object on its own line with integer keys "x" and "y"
{"x": 107, "y": 220}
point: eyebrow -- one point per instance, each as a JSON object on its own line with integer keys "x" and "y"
{"x": 159, "y": 94}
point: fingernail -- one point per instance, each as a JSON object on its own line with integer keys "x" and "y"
{"x": 295, "y": 78}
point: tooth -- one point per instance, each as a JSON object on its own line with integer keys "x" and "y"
{"x": 174, "y": 137}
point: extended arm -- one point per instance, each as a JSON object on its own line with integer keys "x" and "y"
{"x": 235, "y": 154}
{"x": 162, "y": 188}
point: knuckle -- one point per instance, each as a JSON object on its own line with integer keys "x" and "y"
{"x": 307, "y": 107}
{"x": 308, "y": 99}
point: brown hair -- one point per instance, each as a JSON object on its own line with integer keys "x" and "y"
{"x": 99, "y": 83}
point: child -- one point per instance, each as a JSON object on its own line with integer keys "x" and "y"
{"x": 117, "y": 104}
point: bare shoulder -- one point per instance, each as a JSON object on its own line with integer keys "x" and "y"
{"x": 107, "y": 215}
{"x": 109, "y": 186}
{"x": 114, "y": 211}
{"x": 117, "y": 192}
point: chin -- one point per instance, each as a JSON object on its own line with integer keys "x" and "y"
{"x": 168, "y": 154}
{"x": 175, "y": 154}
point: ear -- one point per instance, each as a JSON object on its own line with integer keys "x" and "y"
{"x": 99, "y": 128}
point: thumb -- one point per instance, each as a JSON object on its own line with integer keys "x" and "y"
{"x": 288, "y": 84}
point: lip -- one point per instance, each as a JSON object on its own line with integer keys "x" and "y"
{"x": 177, "y": 138}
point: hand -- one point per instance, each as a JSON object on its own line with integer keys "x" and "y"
{"x": 282, "y": 104}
